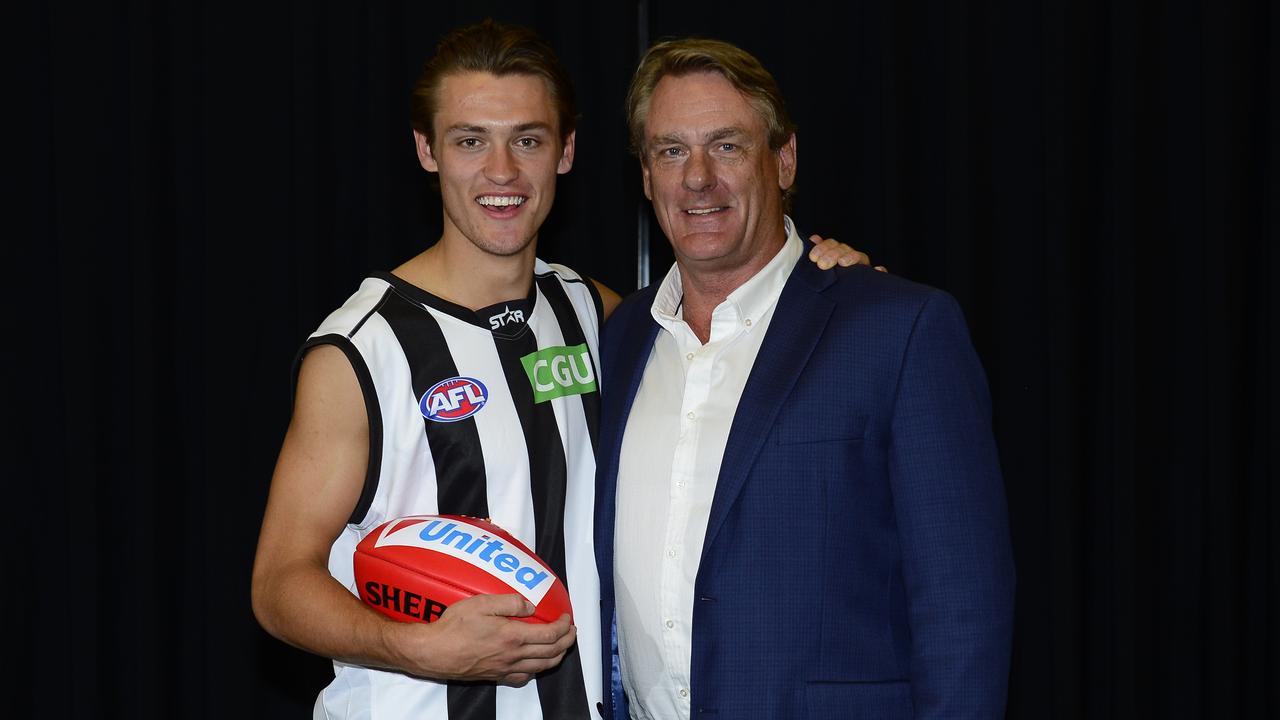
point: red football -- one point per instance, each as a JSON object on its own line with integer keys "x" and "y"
{"x": 413, "y": 568}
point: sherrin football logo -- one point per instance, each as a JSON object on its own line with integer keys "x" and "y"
{"x": 475, "y": 546}
{"x": 454, "y": 399}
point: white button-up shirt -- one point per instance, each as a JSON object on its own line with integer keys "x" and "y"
{"x": 671, "y": 452}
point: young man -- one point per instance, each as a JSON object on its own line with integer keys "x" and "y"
{"x": 493, "y": 116}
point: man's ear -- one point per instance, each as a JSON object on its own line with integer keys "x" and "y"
{"x": 644, "y": 176}
{"x": 787, "y": 163}
{"x": 425, "y": 157}
{"x": 566, "y": 155}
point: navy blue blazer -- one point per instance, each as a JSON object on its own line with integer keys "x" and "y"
{"x": 857, "y": 560}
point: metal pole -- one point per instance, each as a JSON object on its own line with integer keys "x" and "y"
{"x": 642, "y": 210}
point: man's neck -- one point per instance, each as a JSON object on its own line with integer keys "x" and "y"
{"x": 465, "y": 275}
{"x": 706, "y": 287}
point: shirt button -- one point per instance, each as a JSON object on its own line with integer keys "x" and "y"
{"x": 748, "y": 322}
{"x": 684, "y": 693}
{"x": 670, "y": 624}
{"x": 690, "y": 415}
{"x": 689, "y": 356}
{"x": 671, "y": 553}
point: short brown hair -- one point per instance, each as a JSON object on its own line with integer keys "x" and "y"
{"x": 687, "y": 56}
{"x": 497, "y": 49}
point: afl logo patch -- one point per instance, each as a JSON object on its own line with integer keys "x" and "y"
{"x": 454, "y": 399}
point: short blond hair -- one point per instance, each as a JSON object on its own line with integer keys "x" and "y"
{"x": 688, "y": 56}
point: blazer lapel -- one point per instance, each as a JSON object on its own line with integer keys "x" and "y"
{"x": 623, "y": 380}
{"x": 797, "y": 324}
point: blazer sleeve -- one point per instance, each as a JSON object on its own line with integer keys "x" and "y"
{"x": 952, "y": 520}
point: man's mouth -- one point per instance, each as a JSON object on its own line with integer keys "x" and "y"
{"x": 705, "y": 211}
{"x": 501, "y": 201}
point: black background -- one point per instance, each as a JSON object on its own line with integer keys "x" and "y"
{"x": 1094, "y": 181}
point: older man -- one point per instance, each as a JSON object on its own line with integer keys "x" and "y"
{"x": 800, "y": 512}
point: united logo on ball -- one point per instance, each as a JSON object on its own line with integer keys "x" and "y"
{"x": 414, "y": 568}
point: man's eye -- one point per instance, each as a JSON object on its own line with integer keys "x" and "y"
{"x": 671, "y": 152}
{"x": 469, "y": 142}
{"x": 728, "y": 147}
{"x": 527, "y": 143}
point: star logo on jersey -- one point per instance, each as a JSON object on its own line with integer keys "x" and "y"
{"x": 559, "y": 371}
{"x": 506, "y": 317}
{"x": 453, "y": 399}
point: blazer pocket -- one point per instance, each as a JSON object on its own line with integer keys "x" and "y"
{"x": 847, "y": 429}
{"x": 858, "y": 700}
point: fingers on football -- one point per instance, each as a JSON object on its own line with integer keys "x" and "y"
{"x": 521, "y": 672}
{"x": 516, "y": 679}
{"x": 543, "y": 647}
{"x": 526, "y": 640}
{"x": 509, "y": 605}
{"x": 549, "y": 639}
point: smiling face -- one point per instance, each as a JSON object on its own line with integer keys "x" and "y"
{"x": 715, "y": 184}
{"x": 497, "y": 149}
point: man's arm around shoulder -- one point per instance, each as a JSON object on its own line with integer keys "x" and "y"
{"x": 317, "y": 482}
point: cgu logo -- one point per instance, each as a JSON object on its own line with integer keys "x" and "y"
{"x": 506, "y": 317}
{"x": 454, "y": 399}
{"x": 558, "y": 371}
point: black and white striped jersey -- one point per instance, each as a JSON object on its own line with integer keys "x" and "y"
{"x": 490, "y": 414}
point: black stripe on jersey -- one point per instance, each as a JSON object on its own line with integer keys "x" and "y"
{"x": 457, "y": 455}
{"x": 591, "y": 287}
{"x": 572, "y": 332}
{"x": 561, "y": 691}
{"x": 455, "y": 446}
{"x": 371, "y": 407}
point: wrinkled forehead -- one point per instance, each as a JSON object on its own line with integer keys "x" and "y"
{"x": 701, "y": 106}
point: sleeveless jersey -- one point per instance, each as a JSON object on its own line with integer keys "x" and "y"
{"x": 483, "y": 416}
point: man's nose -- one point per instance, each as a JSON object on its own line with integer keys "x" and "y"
{"x": 501, "y": 167}
{"x": 698, "y": 173}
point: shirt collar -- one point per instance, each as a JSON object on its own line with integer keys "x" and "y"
{"x": 749, "y": 301}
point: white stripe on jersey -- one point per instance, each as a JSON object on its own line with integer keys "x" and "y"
{"x": 506, "y": 459}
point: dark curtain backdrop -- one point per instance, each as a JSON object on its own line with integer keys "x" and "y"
{"x": 1094, "y": 181}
